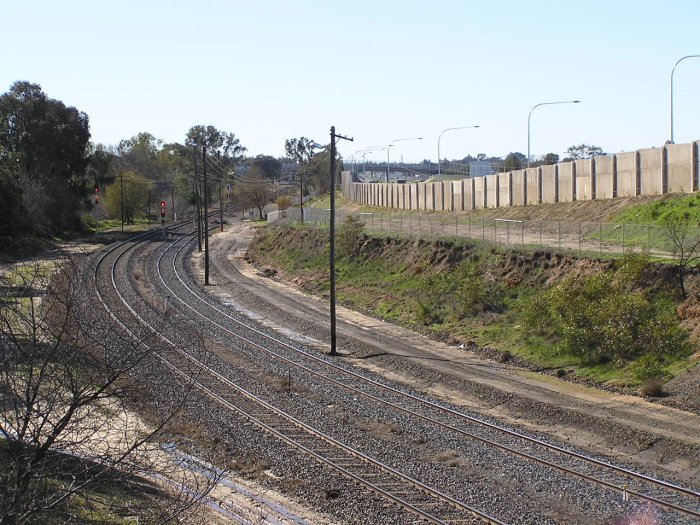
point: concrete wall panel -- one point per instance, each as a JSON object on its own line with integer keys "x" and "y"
{"x": 447, "y": 196}
{"x": 479, "y": 193}
{"x": 439, "y": 196}
{"x": 519, "y": 185}
{"x": 584, "y": 179}
{"x": 626, "y": 166}
{"x": 679, "y": 161}
{"x": 468, "y": 194}
{"x": 491, "y": 191}
{"x": 532, "y": 185}
{"x": 457, "y": 191}
{"x": 429, "y": 196}
{"x": 605, "y": 187}
{"x": 650, "y": 171}
{"x": 566, "y": 171}
{"x": 504, "y": 186}
{"x": 549, "y": 183}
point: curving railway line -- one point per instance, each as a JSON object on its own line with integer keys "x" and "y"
{"x": 415, "y": 487}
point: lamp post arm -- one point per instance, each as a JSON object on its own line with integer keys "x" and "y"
{"x": 672, "y": 72}
{"x": 530, "y": 115}
{"x": 440, "y": 136}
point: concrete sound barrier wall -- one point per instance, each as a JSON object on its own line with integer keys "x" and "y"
{"x": 479, "y": 193}
{"x": 604, "y": 176}
{"x": 458, "y": 195}
{"x": 585, "y": 191}
{"x": 652, "y": 174}
{"x": 430, "y": 196}
{"x": 549, "y": 183}
{"x": 627, "y": 165}
{"x": 532, "y": 186}
{"x": 504, "y": 187}
{"x": 518, "y": 187}
{"x": 491, "y": 191}
{"x": 469, "y": 194}
{"x": 680, "y": 159}
{"x": 567, "y": 181}
{"x": 651, "y": 171}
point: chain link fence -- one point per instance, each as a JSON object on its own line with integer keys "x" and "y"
{"x": 590, "y": 238}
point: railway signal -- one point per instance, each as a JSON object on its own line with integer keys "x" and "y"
{"x": 98, "y": 196}
{"x": 162, "y": 211}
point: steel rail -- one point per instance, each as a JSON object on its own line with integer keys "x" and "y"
{"x": 424, "y": 489}
{"x": 581, "y": 457}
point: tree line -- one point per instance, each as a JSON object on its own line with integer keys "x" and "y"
{"x": 52, "y": 174}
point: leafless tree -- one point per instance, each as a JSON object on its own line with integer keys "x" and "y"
{"x": 70, "y": 379}
{"x": 684, "y": 239}
{"x": 256, "y": 192}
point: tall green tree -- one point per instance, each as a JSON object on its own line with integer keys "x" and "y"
{"x": 515, "y": 161}
{"x": 131, "y": 191}
{"x": 582, "y": 151}
{"x": 225, "y": 147}
{"x": 44, "y": 147}
{"x": 268, "y": 166}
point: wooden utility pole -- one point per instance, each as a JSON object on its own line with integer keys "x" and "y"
{"x": 334, "y": 136}
{"x": 301, "y": 194}
{"x": 196, "y": 202}
{"x": 221, "y": 203}
{"x": 206, "y": 216}
{"x": 121, "y": 200}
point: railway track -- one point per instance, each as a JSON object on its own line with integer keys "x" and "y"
{"x": 402, "y": 490}
{"x": 418, "y": 498}
{"x": 625, "y": 481}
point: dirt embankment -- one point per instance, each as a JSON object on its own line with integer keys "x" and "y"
{"x": 512, "y": 269}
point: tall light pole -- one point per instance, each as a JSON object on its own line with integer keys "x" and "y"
{"x": 388, "y": 146}
{"x": 440, "y": 136}
{"x": 530, "y": 114}
{"x": 371, "y": 149}
{"x": 672, "y": 72}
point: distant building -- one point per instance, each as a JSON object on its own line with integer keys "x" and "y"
{"x": 479, "y": 168}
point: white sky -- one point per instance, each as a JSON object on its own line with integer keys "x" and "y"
{"x": 377, "y": 70}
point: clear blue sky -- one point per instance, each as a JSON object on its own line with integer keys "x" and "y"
{"x": 377, "y": 70}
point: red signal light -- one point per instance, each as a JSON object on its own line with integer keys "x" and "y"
{"x": 162, "y": 204}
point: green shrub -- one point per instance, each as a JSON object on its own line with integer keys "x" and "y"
{"x": 349, "y": 235}
{"x": 458, "y": 294}
{"x": 648, "y": 367}
{"x": 606, "y": 317}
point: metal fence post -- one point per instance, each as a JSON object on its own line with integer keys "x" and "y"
{"x": 623, "y": 238}
{"x": 560, "y": 235}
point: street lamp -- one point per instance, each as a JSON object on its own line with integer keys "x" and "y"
{"x": 388, "y": 150}
{"x": 371, "y": 149}
{"x": 673, "y": 71}
{"x": 440, "y": 136}
{"x": 530, "y": 114}
{"x": 363, "y": 151}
